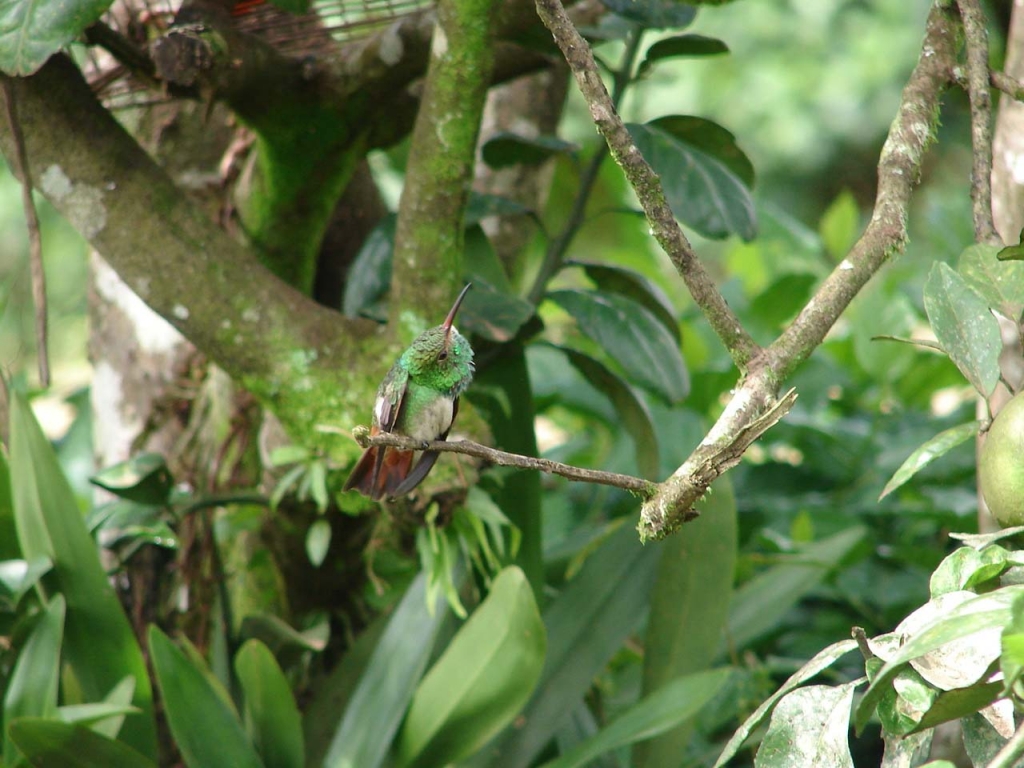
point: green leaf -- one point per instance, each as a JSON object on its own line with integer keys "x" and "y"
{"x": 710, "y": 138}
{"x": 481, "y": 681}
{"x": 17, "y": 577}
{"x": 654, "y": 714}
{"x": 632, "y": 336}
{"x": 1013, "y": 252}
{"x": 999, "y": 283}
{"x": 689, "y": 609}
{"x": 968, "y": 618}
{"x": 271, "y": 716}
{"x": 386, "y": 687}
{"x": 682, "y": 46}
{"x": 633, "y": 285}
{"x": 810, "y": 726}
{"x": 703, "y": 190}
{"x": 32, "y": 686}
{"x": 964, "y": 326}
{"x": 493, "y": 314}
{"x": 31, "y": 32}
{"x": 318, "y": 541}
{"x": 99, "y": 644}
{"x": 821, "y": 661}
{"x": 928, "y": 452}
{"x": 760, "y": 604}
{"x": 965, "y": 567}
{"x": 143, "y": 479}
{"x": 9, "y": 549}
{"x": 630, "y": 409}
{"x": 483, "y": 206}
{"x": 840, "y": 224}
{"x": 205, "y": 727}
{"x": 53, "y": 743}
{"x": 276, "y": 634}
{"x": 587, "y": 623}
{"x": 653, "y": 14}
{"x": 505, "y": 149}
{"x": 370, "y": 273}
{"x": 105, "y": 718}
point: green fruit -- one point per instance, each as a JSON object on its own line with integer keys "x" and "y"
{"x": 1001, "y": 464}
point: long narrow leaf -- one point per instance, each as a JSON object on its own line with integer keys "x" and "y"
{"x": 270, "y": 711}
{"x": 54, "y": 743}
{"x": 99, "y": 643}
{"x": 662, "y": 710}
{"x": 481, "y": 681}
{"x": 386, "y": 687}
{"x": 206, "y": 730}
{"x": 929, "y": 451}
{"x": 32, "y": 689}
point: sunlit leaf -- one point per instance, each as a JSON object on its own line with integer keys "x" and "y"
{"x": 964, "y": 326}
{"x": 318, "y": 541}
{"x": 810, "y": 726}
{"x": 999, "y": 283}
{"x": 31, "y": 32}
{"x": 143, "y": 478}
{"x": 840, "y": 224}
{"x": 928, "y": 452}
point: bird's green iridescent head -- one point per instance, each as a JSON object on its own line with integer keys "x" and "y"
{"x": 441, "y": 357}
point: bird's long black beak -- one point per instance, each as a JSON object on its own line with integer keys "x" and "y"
{"x": 447, "y": 324}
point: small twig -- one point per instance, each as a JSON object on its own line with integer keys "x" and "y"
{"x": 647, "y": 186}
{"x": 636, "y": 485}
{"x": 35, "y": 240}
{"x": 976, "y": 36}
{"x": 1008, "y": 84}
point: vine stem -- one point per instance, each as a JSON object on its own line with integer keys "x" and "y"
{"x": 1011, "y": 751}
{"x": 632, "y": 484}
{"x": 554, "y": 257}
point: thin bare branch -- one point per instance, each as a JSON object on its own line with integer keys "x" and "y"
{"x": 35, "y": 239}
{"x": 1008, "y": 84}
{"x": 632, "y": 484}
{"x": 647, "y": 185}
{"x": 976, "y": 36}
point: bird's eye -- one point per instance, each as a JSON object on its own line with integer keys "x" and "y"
{"x": 443, "y": 355}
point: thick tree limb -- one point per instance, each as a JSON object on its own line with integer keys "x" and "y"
{"x": 646, "y": 184}
{"x": 976, "y": 36}
{"x": 504, "y": 459}
{"x": 272, "y": 339}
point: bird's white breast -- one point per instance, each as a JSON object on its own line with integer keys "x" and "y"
{"x": 435, "y": 420}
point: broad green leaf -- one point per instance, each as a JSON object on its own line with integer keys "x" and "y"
{"x": 689, "y": 609}
{"x": 386, "y": 687}
{"x": 481, "y": 681}
{"x": 821, "y": 661}
{"x": 981, "y": 740}
{"x": 710, "y": 138}
{"x": 31, "y": 32}
{"x": 632, "y": 336}
{"x": 964, "y": 326}
{"x": 8, "y": 531}
{"x": 633, "y": 285}
{"x": 840, "y": 224}
{"x": 682, "y": 46}
{"x": 493, "y": 314}
{"x": 144, "y": 479}
{"x": 271, "y": 716}
{"x": 105, "y": 718}
{"x": 482, "y": 206}
{"x": 99, "y": 644}
{"x": 629, "y": 408}
{"x": 205, "y": 728}
{"x": 978, "y": 614}
{"x": 928, "y": 452}
{"x": 700, "y": 180}
{"x": 505, "y": 149}
{"x": 654, "y": 714}
{"x": 810, "y": 726}
{"x": 653, "y": 14}
{"x": 587, "y": 623}
{"x": 959, "y": 702}
{"x": 276, "y": 634}
{"x": 965, "y": 567}
{"x": 779, "y": 303}
{"x": 370, "y": 273}
{"x": 999, "y": 283}
{"x": 318, "y": 541}
{"x": 876, "y": 310}
{"x": 32, "y": 687}
{"x": 759, "y": 605}
{"x": 907, "y": 751}
{"x": 67, "y": 745}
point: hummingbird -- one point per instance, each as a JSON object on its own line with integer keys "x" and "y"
{"x": 419, "y": 398}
